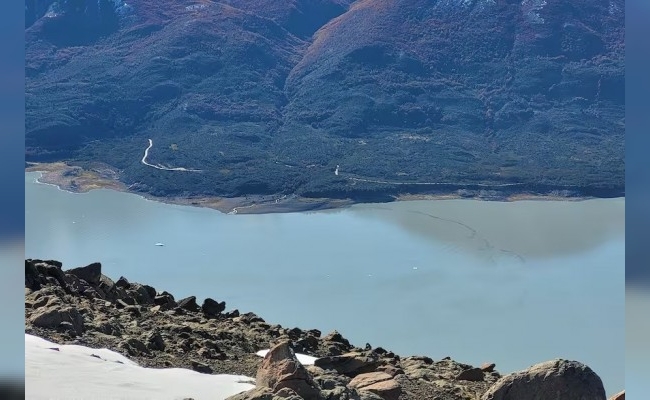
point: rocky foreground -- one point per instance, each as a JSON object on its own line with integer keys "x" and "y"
{"x": 83, "y": 306}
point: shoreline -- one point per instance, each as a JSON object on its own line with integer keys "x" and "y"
{"x": 151, "y": 327}
{"x": 75, "y": 179}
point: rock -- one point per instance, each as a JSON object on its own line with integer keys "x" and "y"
{"x": 281, "y": 369}
{"x": 123, "y": 283}
{"x": 287, "y": 394}
{"x": 54, "y": 316}
{"x": 618, "y": 396}
{"x": 488, "y": 367}
{"x": 349, "y": 364}
{"x": 134, "y": 347}
{"x": 32, "y": 276}
{"x": 112, "y": 328}
{"x": 336, "y": 337}
{"x": 91, "y": 273}
{"x": 212, "y": 308}
{"x": 248, "y": 318}
{"x": 165, "y": 301}
{"x": 189, "y": 304}
{"x": 107, "y": 288}
{"x": 390, "y": 370}
{"x": 254, "y": 394}
{"x": 49, "y": 273}
{"x": 379, "y": 383}
{"x": 366, "y": 395}
{"x": 200, "y": 367}
{"x": 308, "y": 342}
{"x": 423, "y": 359}
{"x": 556, "y": 380}
{"x": 155, "y": 341}
{"x": 472, "y": 374}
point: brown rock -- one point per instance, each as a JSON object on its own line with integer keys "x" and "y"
{"x": 281, "y": 369}
{"x": 350, "y": 364}
{"x": 390, "y": 370}
{"x": 472, "y": 374}
{"x": 556, "y": 380}
{"x": 618, "y": 396}
{"x": 488, "y": 367}
{"x": 379, "y": 383}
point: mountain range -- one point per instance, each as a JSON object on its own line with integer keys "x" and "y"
{"x": 357, "y": 99}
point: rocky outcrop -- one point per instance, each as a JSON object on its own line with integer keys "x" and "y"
{"x": 379, "y": 383}
{"x": 281, "y": 374}
{"x": 556, "y": 379}
{"x": 83, "y": 306}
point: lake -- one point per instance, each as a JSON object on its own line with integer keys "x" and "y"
{"x": 512, "y": 283}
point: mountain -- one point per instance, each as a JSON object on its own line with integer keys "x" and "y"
{"x": 402, "y": 96}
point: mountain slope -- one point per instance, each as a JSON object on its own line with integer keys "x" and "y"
{"x": 269, "y": 97}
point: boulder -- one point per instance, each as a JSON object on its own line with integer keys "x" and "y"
{"x": 248, "y": 318}
{"x": 212, "y": 308}
{"x": 155, "y": 341}
{"x": 200, "y": 367}
{"x": 91, "y": 273}
{"x": 350, "y": 364}
{"x": 53, "y": 317}
{"x": 618, "y": 396}
{"x": 165, "y": 301}
{"x": 189, "y": 304}
{"x": 281, "y": 369}
{"x": 472, "y": 374}
{"x": 488, "y": 367}
{"x": 254, "y": 394}
{"x": 134, "y": 347}
{"x": 123, "y": 283}
{"x": 551, "y": 380}
{"x": 336, "y": 337}
{"x": 379, "y": 383}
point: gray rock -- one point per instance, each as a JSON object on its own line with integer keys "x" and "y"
{"x": 189, "y": 304}
{"x": 550, "y": 380}
{"x": 90, "y": 273}
{"x": 53, "y": 317}
{"x": 200, "y": 367}
{"x": 134, "y": 347}
{"x": 123, "y": 283}
{"x": 165, "y": 301}
{"x": 155, "y": 341}
{"x": 254, "y": 394}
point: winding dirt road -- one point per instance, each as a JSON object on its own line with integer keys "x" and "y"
{"x": 162, "y": 167}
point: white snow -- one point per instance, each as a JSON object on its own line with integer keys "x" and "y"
{"x": 72, "y": 372}
{"x": 303, "y": 358}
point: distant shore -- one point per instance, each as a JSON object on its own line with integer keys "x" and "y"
{"x": 78, "y": 180}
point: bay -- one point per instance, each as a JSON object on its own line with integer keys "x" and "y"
{"x": 512, "y": 283}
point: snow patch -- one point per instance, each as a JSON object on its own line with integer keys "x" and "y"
{"x": 303, "y": 358}
{"x": 55, "y": 371}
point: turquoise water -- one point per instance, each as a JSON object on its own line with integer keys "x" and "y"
{"x": 510, "y": 283}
